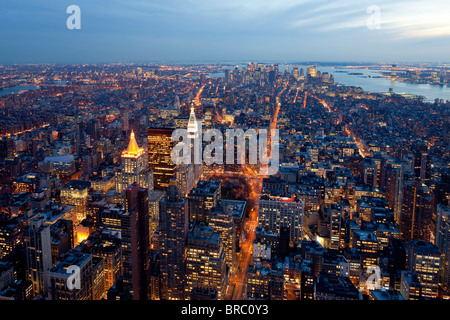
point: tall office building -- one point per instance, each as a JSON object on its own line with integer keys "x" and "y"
{"x": 153, "y": 205}
{"x": 276, "y": 212}
{"x": 422, "y": 161}
{"x": 335, "y": 226}
{"x": 417, "y": 210}
{"x": 194, "y": 132}
{"x": 295, "y": 72}
{"x": 424, "y": 260}
{"x": 134, "y": 168}
{"x": 109, "y": 249}
{"x": 59, "y": 274}
{"x": 39, "y": 253}
{"x": 132, "y": 223}
{"x": 367, "y": 244}
{"x": 135, "y": 242}
{"x": 221, "y": 219}
{"x": 203, "y": 198}
{"x": 160, "y": 147}
{"x": 75, "y": 192}
{"x": 173, "y": 227}
{"x": 442, "y": 241}
{"x": 205, "y": 261}
{"x": 311, "y": 71}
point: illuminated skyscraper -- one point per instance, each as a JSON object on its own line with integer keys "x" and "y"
{"x": 417, "y": 210}
{"x": 135, "y": 232}
{"x": 205, "y": 261}
{"x": 221, "y": 219}
{"x": 295, "y": 72}
{"x": 58, "y": 277}
{"x": 424, "y": 260}
{"x": 134, "y": 168}
{"x": 311, "y": 71}
{"x": 335, "y": 226}
{"x": 276, "y": 212}
{"x": 109, "y": 249}
{"x": 194, "y": 131}
{"x": 203, "y": 198}
{"x": 367, "y": 244}
{"x": 173, "y": 227}
{"x": 75, "y": 193}
{"x": 422, "y": 161}
{"x": 132, "y": 222}
{"x": 442, "y": 241}
{"x": 39, "y": 253}
{"x": 160, "y": 147}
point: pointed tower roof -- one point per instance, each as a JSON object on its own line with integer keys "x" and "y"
{"x": 192, "y": 124}
{"x": 133, "y": 147}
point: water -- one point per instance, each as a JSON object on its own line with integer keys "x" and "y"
{"x": 374, "y": 83}
{"x": 382, "y": 85}
{"x": 18, "y": 89}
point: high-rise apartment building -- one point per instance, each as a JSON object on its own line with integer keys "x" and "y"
{"x": 424, "y": 260}
{"x": 173, "y": 228}
{"x": 221, "y": 219}
{"x": 276, "y": 212}
{"x": 205, "y": 261}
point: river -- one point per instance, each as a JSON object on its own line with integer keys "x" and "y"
{"x": 371, "y": 81}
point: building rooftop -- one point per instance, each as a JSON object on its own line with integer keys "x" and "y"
{"x": 237, "y": 207}
{"x": 69, "y": 259}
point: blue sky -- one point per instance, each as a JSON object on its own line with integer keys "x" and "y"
{"x": 34, "y": 31}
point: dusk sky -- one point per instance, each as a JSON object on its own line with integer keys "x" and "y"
{"x": 34, "y": 31}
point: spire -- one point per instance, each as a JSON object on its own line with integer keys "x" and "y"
{"x": 133, "y": 147}
{"x": 192, "y": 124}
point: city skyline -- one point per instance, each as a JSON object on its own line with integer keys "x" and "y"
{"x": 199, "y": 150}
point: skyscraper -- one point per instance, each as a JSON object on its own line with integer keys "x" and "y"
{"x": 39, "y": 253}
{"x": 58, "y": 277}
{"x": 75, "y": 192}
{"x": 442, "y": 241}
{"x": 135, "y": 241}
{"x": 134, "y": 168}
{"x": 194, "y": 131}
{"x": 160, "y": 147}
{"x": 221, "y": 219}
{"x": 276, "y": 212}
{"x": 132, "y": 222}
{"x": 202, "y": 198}
{"x": 424, "y": 260}
{"x": 417, "y": 209}
{"x": 205, "y": 261}
{"x": 335, "y": 226}
{"x": 173, "y": 228}
{"x": 422, "y": 161}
